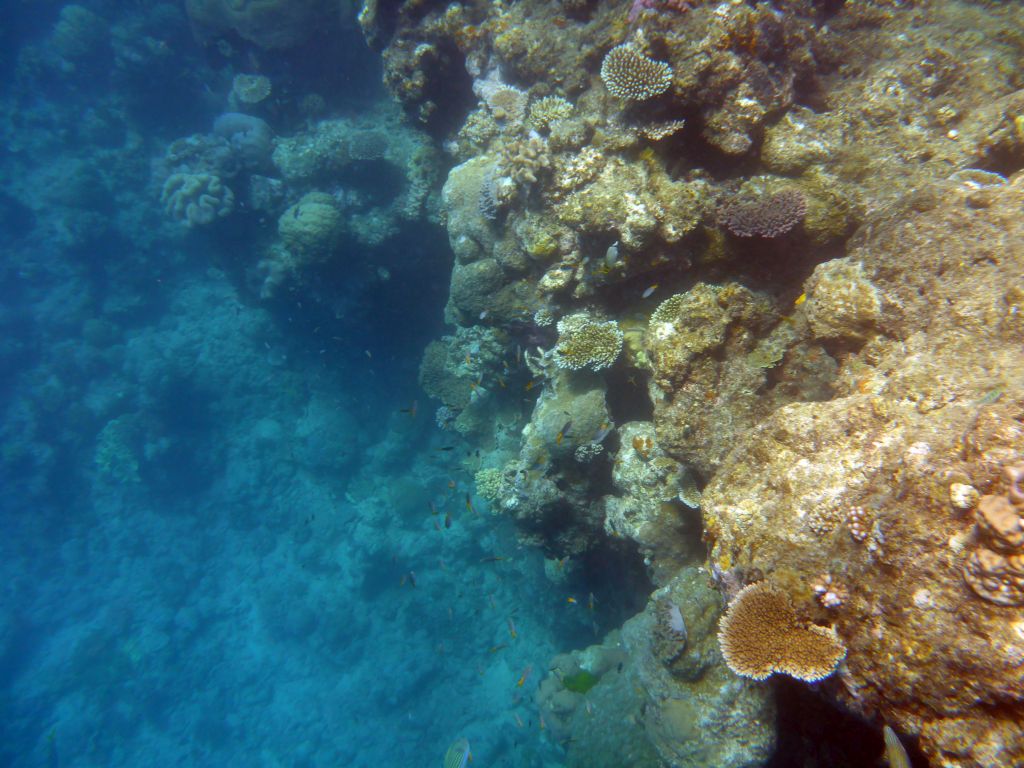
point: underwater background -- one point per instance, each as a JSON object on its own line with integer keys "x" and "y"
{"x": 538, "y": 383}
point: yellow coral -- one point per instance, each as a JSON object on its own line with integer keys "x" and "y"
{"x": 760, "y": 634}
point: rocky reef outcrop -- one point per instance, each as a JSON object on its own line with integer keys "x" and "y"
{"x": 753, "y": 271}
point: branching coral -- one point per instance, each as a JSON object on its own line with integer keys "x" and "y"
{"x": 545, "y": 111}
{"x": 760, "y": 634}
{"x": 587, "y": 343}
{"x": 630, "y": 75}
{"x": 768, "y": 216}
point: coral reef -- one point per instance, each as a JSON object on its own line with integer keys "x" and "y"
{"x": 657, "y": 698}
{"x": 787, "y": 191}
{"x": 630, "y": 75}
{"x": 196, "y": 199}
{"x": 875, "y": 479}
{"x": 761, "y": 634}
{"x": 584, "y": 342}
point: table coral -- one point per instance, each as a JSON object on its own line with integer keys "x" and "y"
{"x": 761, "y": 634}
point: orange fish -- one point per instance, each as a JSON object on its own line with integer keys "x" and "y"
{"x": 469, "y": 505}
{"x": 528, "y": 386}
{"x": 525, "y": 676}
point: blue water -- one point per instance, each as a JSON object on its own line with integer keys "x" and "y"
{"x": 216, "y": 544}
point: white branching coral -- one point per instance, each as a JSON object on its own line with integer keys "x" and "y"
{"x": 630, "y": 75}
{"x": 584, "y": 342}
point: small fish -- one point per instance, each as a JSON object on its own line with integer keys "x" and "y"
{"x": 895, "y": 754}
{"x": 501, "y": 382}
{"x": 800, "y": 299}
{"x": 611, "y": 256}
{"x": 412, "y": 578}
{"x": 469, "y": 505}
{"x": 493, "y": 559}
{"x": 411, "y": 410}
{"x": 446, "y": 448}
{"x": 528, "y": 386}
{"x": 437, "y": 525}
{"x": 590, "y": 709}
{"x": 447, "y": 519}
{"x": 468, "y": 359}
{"x": 518, "y": 720}
{"x": 525, "y": 676}
{"x": 483, "y": 315}
{"x": 458, "y": 754}
{"x": 543, "y": 725}
{"x": 367, "y": 353}
{"x": 433, "y": 508}
{"x": 490, "y": 602}
{"x": 519, "y": 355}
{"x": 451, "y": 485}
{"x": 602, "y": 432}
{"x": 570, "y": 600}
{"x": 590, "y": 602}
{"x": 563, "y": 432}
{"x": 512, "y": 629}
{"x": 649, "y": 292}
{"x": 498, "y": 647}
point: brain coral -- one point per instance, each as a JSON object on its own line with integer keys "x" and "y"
{"x": 760, "y": 635}
{"x": 629, "y": 74}
{"x": 587, "y": 343}
{"x": 195, "y": 199}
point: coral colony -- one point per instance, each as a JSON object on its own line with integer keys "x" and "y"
{"x": 591, "y": 383}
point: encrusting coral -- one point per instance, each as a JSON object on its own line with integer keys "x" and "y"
{"x": 760, "y": 635}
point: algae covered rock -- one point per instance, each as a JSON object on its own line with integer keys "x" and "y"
{"x": 666, "y": 698}
{"x": 855, "y": 507}
{"x": 711, "y": 350}
{"x": 648, "y": 508}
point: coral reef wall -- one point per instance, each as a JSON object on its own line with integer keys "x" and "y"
{"x": 750, "y": 276}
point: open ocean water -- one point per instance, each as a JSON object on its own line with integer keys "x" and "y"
{"x": 216, "y": 543}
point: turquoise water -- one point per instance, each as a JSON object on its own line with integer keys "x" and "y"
{"x": 218, "y": 545}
